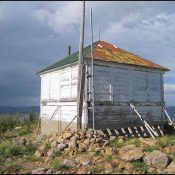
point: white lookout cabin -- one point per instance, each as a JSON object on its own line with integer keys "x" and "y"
{"x": 119, "y": 77}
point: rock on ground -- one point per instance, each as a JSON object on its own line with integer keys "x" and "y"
{"x": 157, "y": 159}
{"x": 148, "y": 141}
{"x": 169, "y": 149}
{"x": 171, "y": 168}
{"x": 131, "y": 152}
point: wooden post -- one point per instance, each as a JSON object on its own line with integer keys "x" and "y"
{"x": 80, "y": 85}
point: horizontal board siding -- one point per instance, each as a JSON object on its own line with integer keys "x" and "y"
{"x": 102, "y": 84}
{"x": 122, "y": 115}
{"x": 122, "y": 84}
{"x": 45, "y": 87}
{"x": 154, "y": 84}
{"x": 59, "y": 84}
{"x": 54, "y": 86}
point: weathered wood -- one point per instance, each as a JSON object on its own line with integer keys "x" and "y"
{"x": 159, "y": 128}
{"x": 109, "y": 132}
{"x": 116, "y": 132}
{"x": 81, "y": 71}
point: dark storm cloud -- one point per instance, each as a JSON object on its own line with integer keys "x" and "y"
{"x": 36, "y": 34}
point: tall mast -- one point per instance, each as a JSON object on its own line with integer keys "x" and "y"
{"x": 92, "y": 70}
{"x": 80, "y": 84}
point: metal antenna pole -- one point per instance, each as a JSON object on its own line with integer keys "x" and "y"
{"x": 99, "y": 32}
{"x": 80, "y": 84}
{"x": 92, "y": 67}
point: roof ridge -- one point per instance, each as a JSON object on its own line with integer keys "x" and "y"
{"x": 104, "y": 51}
{"x": 69, "y": 58}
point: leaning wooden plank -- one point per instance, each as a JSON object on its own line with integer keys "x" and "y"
{"x": 130, "y": 131}
{"x": 117, "y": 133}
{"x": 109, "y": 132}
{"x": 70, "y": 123}
{"x": 123, "y": 130}
{"x": 136, "y": 130}
{"x": 155, "y": 130}
{"x": 143, "y": 131}
{"x": 151, "y": 128}
{"x": 144, "y": 122}
{"x": 159, "y": 128}
{"x": 47, "y": 124}
{"x": 171, "y": 122}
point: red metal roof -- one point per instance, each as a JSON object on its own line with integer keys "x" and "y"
{"x": 107, "y": 52}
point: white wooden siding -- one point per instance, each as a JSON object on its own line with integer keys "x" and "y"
{"x": 45, "y": 86}
{"x": 74, "y": 80}
{"x": 54, "y": 86}
{"x": 65, "y": 79}
{"x": 59, "y": 84}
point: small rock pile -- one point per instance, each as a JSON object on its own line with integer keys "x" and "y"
{"x": 71, "y": 142}
{"x": 111, "y": 157}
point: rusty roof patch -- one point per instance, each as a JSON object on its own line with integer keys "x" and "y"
{"x": 108, "y": 52}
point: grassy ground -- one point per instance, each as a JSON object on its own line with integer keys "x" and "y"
{"x": 16, "y": 157}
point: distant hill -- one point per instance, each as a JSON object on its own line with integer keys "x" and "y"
{"x": 18, "y": 109}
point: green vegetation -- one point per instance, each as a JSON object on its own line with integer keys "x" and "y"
{"x": 165, "y": 141}
{"x": 58, "y": 165}
{"x": 149, "y": 148}
{"x": 108, "y": 158}
{"x": 8, "y": 123}
{"x": 116, "y": 144}
{"x": 10, "y": 168}
{"x": 12, "y": 147}
{"x": 47, "y": 147}
{"x": 140, "y": 166}
{"x": 56, "y": 154}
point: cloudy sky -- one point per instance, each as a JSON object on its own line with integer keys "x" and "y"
{"x": 34, "y": 35}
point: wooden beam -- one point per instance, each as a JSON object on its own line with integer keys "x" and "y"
{"x": 80, "y": 85}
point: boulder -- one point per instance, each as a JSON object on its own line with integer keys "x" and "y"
{"x": 108, "y": 151}
{"x": 93, "y": 140}
{"x": 87, "y": 142}
{"x": 69, "y": 163}
{"x": 86, "y": 162}
{"x": 131, "y": 152}
{"x": 39, "y": 170}
{"x": 39, "y": 153}
{"x": 49, "y": 171}
{"x": 169, "y": 149}
{"x": 67, "y": 135}
{"x": 157, "y": 159}
{"x": 51, "y": 139}
{"x": 61, "y": 146}
{"x": 82, "y": 147}
{"x": 171, "y": 168}
{"x": 54, "y": 144}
